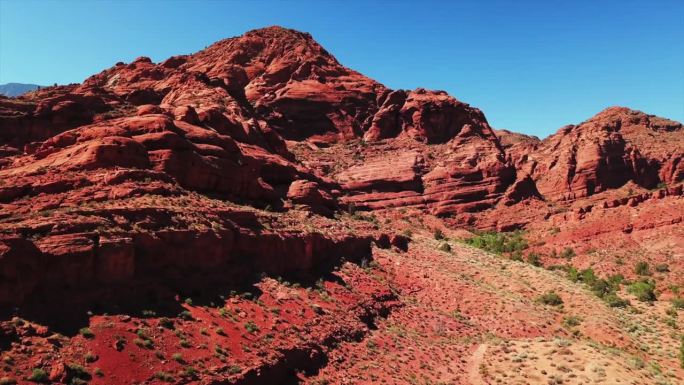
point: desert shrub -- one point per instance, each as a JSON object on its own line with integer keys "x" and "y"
{"x": 498, "y": 243}
{"x": 517, "y": 256}
{"x": 86, "y": 333}
{"x": 78, "y": 374}
{"x": 603, "y": 288}
{"x": 571, "y": 321}
{"x": 189, "y": 371}
{"x": 166, "y": 323}
{"x": 677, "y": 302}
{"x": 613, "y": 300}
{"x": 439, "y": 235}
{"x": 39, "y": 375}
{"x": 641, "y": 268}
{"x": 163, "y": 376}
{"x": 681, "y": 353}
{"x": 7, "y": 381}
{"x": 567, "y": 253}
{"x": 186, "y": 315}
{"x": 550, "y": 298}
{"x": 251, "y": 327}
{"x": 146, "y": 344}
{"x": 234, "y": 369}
{"x": 445, "y": 247}
{"x": 643, "y": 290}
{"x": 533, "y": 259}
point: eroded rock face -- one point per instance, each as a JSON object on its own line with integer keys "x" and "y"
{"x": 102, "y": 174}
{"x": 605, "y": 152}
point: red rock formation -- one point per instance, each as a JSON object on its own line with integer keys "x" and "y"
{"x": 209, "y": 169}
{"x": 613, "y": 147}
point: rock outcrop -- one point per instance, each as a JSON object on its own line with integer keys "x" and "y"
{"x": 605, "y": 152}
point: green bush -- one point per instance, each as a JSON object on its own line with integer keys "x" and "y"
{"x": 39, "y": 375}
{"x": 251, "y": 327}
{"x": 533, "y": 259}
{"x": 86, "y": 333}
{"x": 643, "y": 290}
{"x": 641, "y": 268}
{"x": 550, "y": 298}
{"x": 498, "y": 243}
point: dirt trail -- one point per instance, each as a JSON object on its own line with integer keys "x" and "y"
{"x": 474, "y": 375}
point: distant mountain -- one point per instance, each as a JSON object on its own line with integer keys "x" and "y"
{"x": 16, "y": 89}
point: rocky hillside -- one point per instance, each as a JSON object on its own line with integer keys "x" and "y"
{"x": 258, "y": 213}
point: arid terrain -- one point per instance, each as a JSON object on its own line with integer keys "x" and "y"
{"x": 257, "y": 213}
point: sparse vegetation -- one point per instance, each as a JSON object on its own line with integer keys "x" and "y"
{"x": 681, "y": 352}
{"x": 439, "y": 235}
{"x": 550, "y": 298}
{"x": 234, "y": 369}
{"x": 499, "y": 243}
{"x": 444, "y": 246}
{"x": 534, "y": 260}
{"x": 251, "y": 327}
{"x": 163, "y": 376}
{"x": 641, "y": 268}
{"x": 571, "y": 321}
{"x": 678, "y": 303}
{"x": 166, "y": 323}
{"x": 567, "y": 253}
{"x": 90, "y": 357}
{"x": 78, "y": 374}
{"x": 606, "y": 289}
{"x": 643, "y": 290}
{"x": 86, "y": 333}
{"x": 39, "y": 375}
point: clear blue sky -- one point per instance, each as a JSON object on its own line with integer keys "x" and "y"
{"x": 531, "y": 66}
